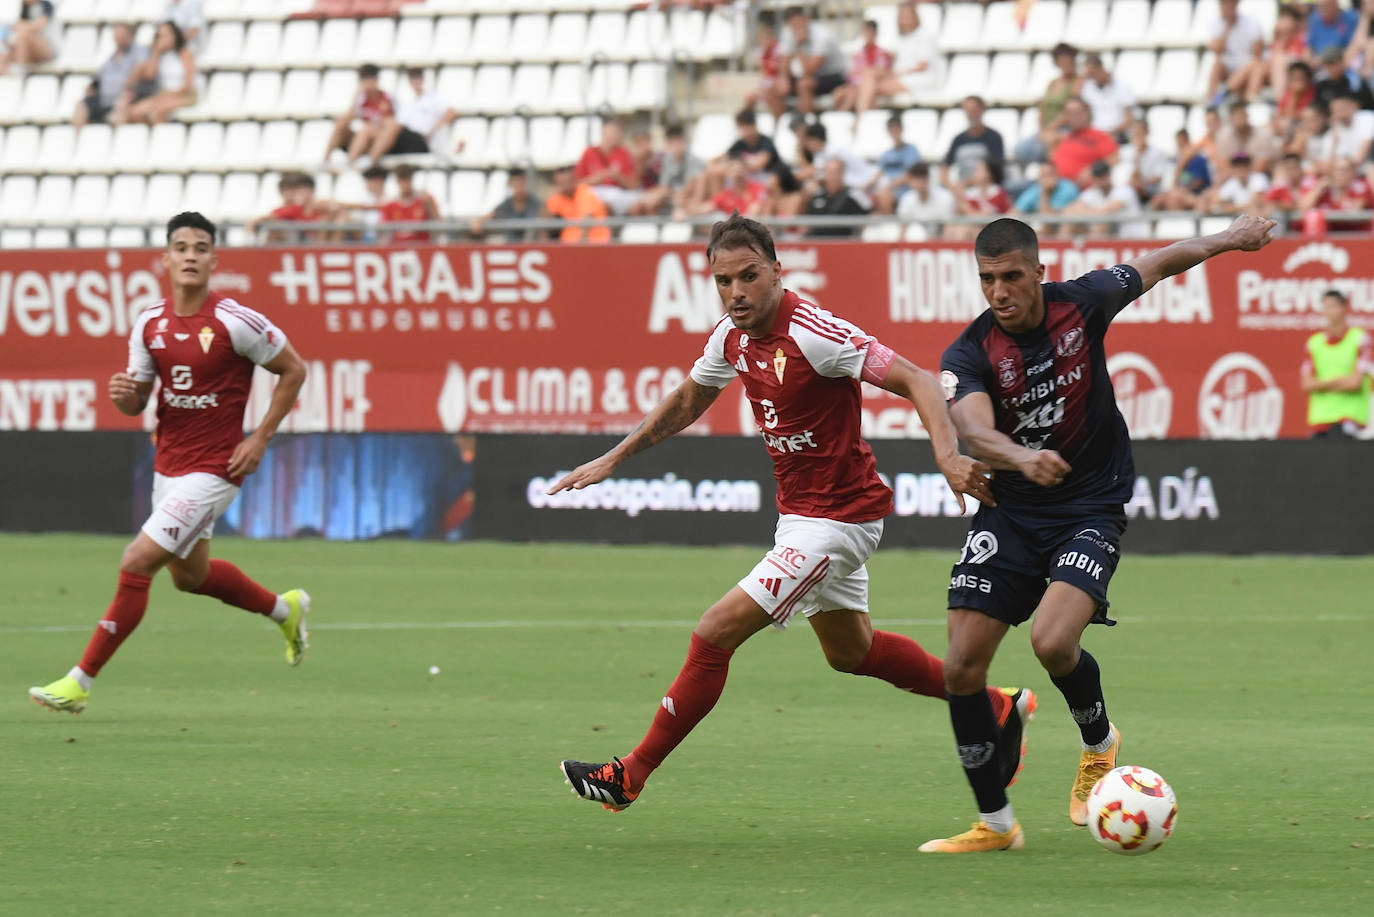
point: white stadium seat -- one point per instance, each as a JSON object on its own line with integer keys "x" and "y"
{"x": 579, "y": 132}
{"x": 73, "y": 90}
{"x": 1044, "y": 25}
{"x": 375, "y": 40}
{"x": 129, "y": 148}
{"x": 204, "y": 145}
{"x": 870, "y": 134}
{"x": 1009, "y": 80}
{"x": 163, "y": 197}
{"x": 223, "y": 45}
{"x": 567, "y": 92}
{"x": 20, "y": 150}
{"x": 546, "y": 140}
{"x": 1176, "y": 74}
{"x": 686, "y": 28}
{"x": 166, "y": 147}
{"x": 202, "y": 193}
{"x": 676, "y": 233}
{"x": 338, "y": 88}
{"x": 299, "y": 96}
{"x": 415, "y": 42}
{"x": 52, "y": 238}
{"x": 269, "y": 197}
{"x": 882, "y": 232}
{"x": 952, "y": 123}
{"x": 1136, "y": 71}
{"x": 89, "y": 195}
{"x": 639, "y": 233}
{"x": 967, "y": 75}
{"x": 648, "y": 85}
{"x": 608, "y": 85}
{"x": 839, "y": 128}
{"x": 529, "y": 87}
{"x": 1086, "y": 26}
{"x": 262, "y": 94}
{"x": 605, "y": 35}
{"x": 1128, "y": 24}
{"x": 80, "y": 48}
{"x": 92, "y": 149}
{"x": 53, "y": 197}
{"x": 262, "y": 45}
{"x": 54, "y": 152}
{"x": 491, "y": 39}
{"x": 300, "y": 40}
{"x": 646, "y": 35}
{"x": 469, "y": 139}
{"x": 1265, "y": 11}
{"x": 1169, "y": 24}
{"x": 712, "y": 135}
{"x": 1007, "y": 122}
{"x": 529, "y": 37}
{"x": 962, "y": 28}
{"x": 455, "y": 85}
{"x": 919, "y": 126}
{"x": 128, "y": 237}
{"x": 1205, "y": 15}
{"x": 13, "y": 239}
{"x": 125, "y": 200}
{"x": 339, "y": 45}
{"x": 1001, "y": 31}
{"x": 567, "y": 35}
{"x": 1164, "y": 121}
{"x": 239, "y": 196}
{"x": 452, "y": 39}
{"x": 722, "y": 38}
{"x": 490, "y": 89}
{"x": 223, "y": 96}
{"x": 1175, "y": 228}
{"x": 91, "y": 237}
{"x": 310, "y": 142}
{"x": 467, "y": 193}
{"x": 242, "y": 147}
{"x": 39, "y": 102}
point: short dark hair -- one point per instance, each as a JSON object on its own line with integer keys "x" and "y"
{"x": 674, "y": 130}
{"x": 745, "y": 116}
{"x": 741, "y": 232}
{"x": 816, "y": 131}
{"x": 369, "y": 71}
{"x": 415, "y": 71}
{"x": 405, "y": 171}
{"x": 1338, "y": 296}
{"x": 376, "y": 172}
{"x": 1001, "y": 237}
{"x": 871, "y": 24}
{"x": 792, "y": 12}
{"x": 894, "y": 119}
{"x": 1301, "y": 65}
{"x": 1344, "y": 92}
{"x": 1291, "y": 157}
{"x": 190, "y": 219}
{"x": 982, "y": 103}
{"x": 919, "y": 170}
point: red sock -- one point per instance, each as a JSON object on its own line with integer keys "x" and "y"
{"x": 232, "y": 586}
{"x": 123, "y": 615}
{"x": 902, "y": 662}
{"x": 692, "y": 695}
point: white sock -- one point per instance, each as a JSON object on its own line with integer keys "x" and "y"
{"x": 281, "y": 612}
{"x": 1103, "y": 745}
{"x": 999, "y": 821}
{"x": 81, "y": 677}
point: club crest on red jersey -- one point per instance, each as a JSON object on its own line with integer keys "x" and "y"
{"x": 1070, "y": 343}
{"x": 779, "y": 364}
{"x": 207, "y": 337}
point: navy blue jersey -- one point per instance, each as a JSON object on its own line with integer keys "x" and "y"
{"x": 1050, "y": 388}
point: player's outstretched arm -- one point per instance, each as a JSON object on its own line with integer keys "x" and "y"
{"x": 290, "y": 370}
{"x": 1248, "y": 233}
{"x": 977, "y": 425}
{"x": 673, "y": 414}
{"x": 965, "y": 475}
{"x": 129, "y": 395}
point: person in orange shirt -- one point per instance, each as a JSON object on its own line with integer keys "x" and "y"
{"x": 410, "y": 206}
{"x": 572, "y": 200}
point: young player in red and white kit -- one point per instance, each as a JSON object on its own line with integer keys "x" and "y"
{"x": 202, "y": 347}
{"x": 801, "y": 367}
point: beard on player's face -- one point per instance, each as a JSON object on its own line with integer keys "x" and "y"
{"x": 749, "y": 288}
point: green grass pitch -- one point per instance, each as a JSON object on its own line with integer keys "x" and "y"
{"x": 208, "y": 777}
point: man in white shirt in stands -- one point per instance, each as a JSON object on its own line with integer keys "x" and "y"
{"x": 1238, "y": 41}
{"x": 813, "y": 62}
{"x": 1103, "y": 197}
{"x": 427, "y": 113}
{"x": 1110, "y": 100}
{"x": 924, "y": 202}
{"x": 1350, "y": 134}
{"x": 1242, "y": 192}
{"x": 918, "y": 67}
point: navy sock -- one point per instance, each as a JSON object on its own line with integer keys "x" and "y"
{"x": 1082, "y": 689}
{"x": 976, "y": 733}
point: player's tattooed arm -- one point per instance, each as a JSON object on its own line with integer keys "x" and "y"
{"x": 129, "y": 395}
{"x": 675, "y": 413}
{"x": 1247, "y": 234}
{"x": 977, "y": 425}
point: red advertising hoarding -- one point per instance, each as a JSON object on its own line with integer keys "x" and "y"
{"x": 587, "y": 338}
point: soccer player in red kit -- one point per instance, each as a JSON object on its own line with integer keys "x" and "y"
{"x": 202, "y": 347}
{"x": 801, "y": 367}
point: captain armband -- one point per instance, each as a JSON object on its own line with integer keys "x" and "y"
{"x": 878, "y": 360}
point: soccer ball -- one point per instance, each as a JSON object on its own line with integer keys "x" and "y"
{"x": 1131, "y": 811}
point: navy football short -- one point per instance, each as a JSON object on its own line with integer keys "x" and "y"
{"x": 1012, "y": 554}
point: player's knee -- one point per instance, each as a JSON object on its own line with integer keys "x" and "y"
{"x": 187, "y": 580}
{"x": 844, "y": 659}
{"x": 964, "y": 674}
{"x": 1056, "y": 652}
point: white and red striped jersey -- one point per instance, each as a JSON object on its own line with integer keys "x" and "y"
{"x": 802, "y": 379}
{"x": 205, "y": 363}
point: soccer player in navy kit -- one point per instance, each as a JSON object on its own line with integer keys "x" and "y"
{"x": 1030, "y": 396}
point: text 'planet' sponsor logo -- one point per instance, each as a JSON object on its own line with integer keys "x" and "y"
{"x": 1145, "y": 401}
{"x": 1239, "y": 400}
{"x": 633, "y": 496}
{"x": 685, "y": 292}
{"x": 1292, "y": 301}
{"x": 1188, "y": 496}
{"x": 94, "y": 303}
{"x": 551, "y": 398}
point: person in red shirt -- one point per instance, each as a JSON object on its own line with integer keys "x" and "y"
{"x": 1287, "y": 187}
{"x": 1341, "y": 189}
{"x": 802, "y": 369}
{"x": 410, "y": 206}
{"x": 1288, "y": 45}
{"x": 369, "y": 129}
{"x": 609, "y": 169}
{"x": 1300, "y": 92}
{"x": 203, "y": 348}
{"x": 299, "y": 205}
{"x": 981, "y": 196}
{"x": 770, "y": 67}
{"x": 1082, "y": 145}
{"x": 869, "y": 57}
{"x": 741, "y": 193}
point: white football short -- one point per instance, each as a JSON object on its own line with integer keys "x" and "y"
{"x": 185, "y": 509}
{"x": 815, "y": 565}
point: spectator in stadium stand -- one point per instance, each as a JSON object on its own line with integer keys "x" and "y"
{"x": 1063, "y": 87}
{"x": 859, "y": 174}
{"x": 1340, "y": 189}
{"x": 1192, "y": 176}
{"x": 768, "y": 52}
{"x": 299, "y": 204}
{"x": 377, "y": 132}
{"x": 411, "y": 205}
{"x": 1336, "y": 371}
{"x": 835, "y": 198}
{"x": 1286, "y": 188}
{"x": 813, "y": 62}
{"x": 1149, "y": 166}
{"x": 1081, "y": 145}
{"x": 681, "y": 175}
{"x": 647, "y": 165}
{"x": 1350, "y": 135}
{"x": 162, "y": 83}
{"x": 1110, "y": 100}
{"x": 518, "y": 205}
{"x": 573, "y": 200}
{"x": 374, "y": 186}
{"x": 981, "y": 196}
{"x": 190, "y": 18}
{"x": 893, "y": 165}
{"x": 1237, "y": 40}
{"x": 924, "y": 201}
{"x": 1333, "y": 79}
{"x": 1289, "y": 44}
{"x": 1049, "y": 193}
{"x": 1359, "y": 54}
{"x": 917, "y": 66}
{"x": 868, "y": 57}
{"x": 1106, "y": 197}
{"x": 1312, "y": 139}
{"x": 1330, "y": 26}
{"x": 1242, "y": 191}
{"x": 1299, "y": 92}
{"x": 101, "y": 97}
{"x": 756, "y": 150}
{"x": 742, "y": 192}
{"x": 1238, "y": 135}
{"x": 32, "y": 39}
{"x": 975, "y": 143}
{"x": 609, "y": 169}
{"x": 421, "y": 117}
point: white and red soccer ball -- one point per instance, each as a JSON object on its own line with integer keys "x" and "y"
{"x": 1131, "y": 811}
